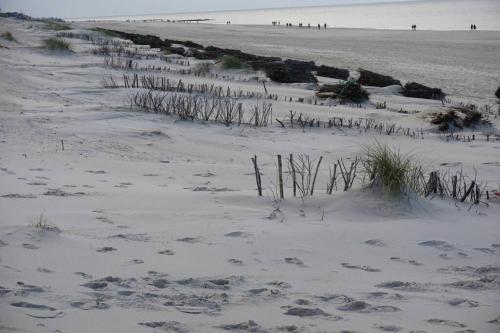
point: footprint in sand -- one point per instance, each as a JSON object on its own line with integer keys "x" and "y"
{"x": 136, "y": 261}
{"x": 363, "y": 307}
{"x": 440, "y": 245}
{"x": 411, "y": 262}
{"x": 388, "y": 328}
{"x": 167, "y": 252}
{"x": 375, "y": 242}
{"x": 84, "y": 275}
{"x": 190, "y": 240}
{"x": 106, "y": 249}
{"x": 236, "y": 262}
{"x": 28, "y": 305}
{"x": 485, "y": 250}
{"x": 44, "y": 270}
{"x": 238, "y": 234}
{"x": 30, "y": 246}
{"x": 403, "y": 286}
{"x": 309, "y": 312}
{"x": 363, "y": 268}
{"x": 168, "y": 326}
{"x": 96, "y": 172}
{"x": 104, "y": 219}
{"x": 294, "y": 261}
{"x": 445, "y": 322}
{"x": 18, "y": 196}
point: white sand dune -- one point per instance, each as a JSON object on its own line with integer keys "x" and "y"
{"x": 156, "y": 224}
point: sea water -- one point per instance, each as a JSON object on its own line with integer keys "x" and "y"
{"x": 426, "y": 14}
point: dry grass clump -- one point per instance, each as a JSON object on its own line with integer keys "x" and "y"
{"x": 348, "y": 91}
{"x": 56, "y": 44}
{"x": 458, "y": 117}
{"x": 202, "y": 68}
{"x": 42, "y": 224}
{"x": 394, "y": 173}
{"x": 8, "y": 36}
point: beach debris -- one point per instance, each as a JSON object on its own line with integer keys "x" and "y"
{"x": 458, "y": 117}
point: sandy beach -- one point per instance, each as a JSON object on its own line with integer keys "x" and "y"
{"x": 462, "y": 63}
{"x": 113, "y": 219}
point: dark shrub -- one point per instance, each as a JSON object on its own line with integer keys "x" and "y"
{"x": 300, "y": 66}
{"x": 231, "y": 62}
{"x": 332, "y": 72}
{"x": 497, "y": 94}
{"x": 349, "y": 91}
{"x": 417, "y": 90}
{"x": 281, "y": 72}
{"x": 368, "y": 78}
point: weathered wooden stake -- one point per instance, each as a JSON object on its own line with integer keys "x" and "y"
{"x": 468, "y": 192}
{"x": 294, "y": 177}
{"x": 62, "y": 144}
{"x": 316, "y": 174}
{"x": 257, "y": 175}
{"x": 280, "y": 177}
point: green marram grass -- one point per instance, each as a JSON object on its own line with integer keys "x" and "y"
{"x": 106, "y": 32}
{"x": 393, "y": 172}
{"x": 231, "y": 62}
{"x": 56, "y": 44}
{"x": 8, "y": 36}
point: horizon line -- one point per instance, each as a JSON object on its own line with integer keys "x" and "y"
{"x": 380, "y": 2}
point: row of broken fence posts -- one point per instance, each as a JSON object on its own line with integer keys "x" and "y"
{"x": 304, "y": 173}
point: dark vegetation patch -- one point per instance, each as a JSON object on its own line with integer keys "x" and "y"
{"x": 497, "y": 93}
{"x": 332, "y": 72}
{"x": 349, "y": 91}
{"x": 16, "y": 15}
{"x": 8, "y": 36}
{"x": 277, "y": 69}
{"x": 417, "y": 90}
{"x": 373, "y": 79}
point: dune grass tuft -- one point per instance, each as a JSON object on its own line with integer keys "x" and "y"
{"x": 56, "y": 44}
{"x": 393, "y": 172}
{"x": 202, "y": 68}
{"x": 8, "y": 36}
{"x": 55, "y": 25}
{"x": 231, "y": 62}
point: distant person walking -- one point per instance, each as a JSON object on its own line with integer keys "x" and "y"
{"x": 319, "y": 26}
